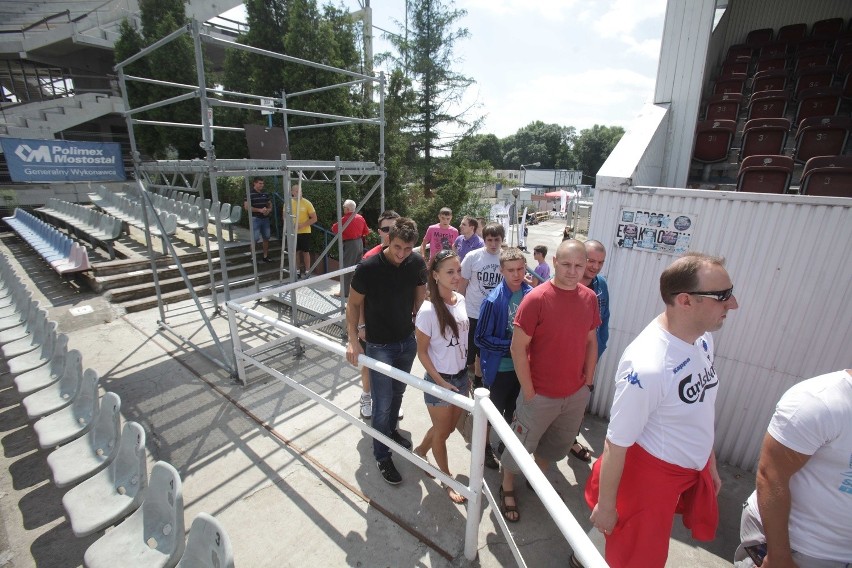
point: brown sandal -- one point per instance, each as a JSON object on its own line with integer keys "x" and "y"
{"x": 505, "y": 508}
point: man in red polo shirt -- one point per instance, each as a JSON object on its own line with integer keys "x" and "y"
{"x": 354, "y": 230}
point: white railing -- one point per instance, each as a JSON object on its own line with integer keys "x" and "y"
{"x": 483, "y": 410}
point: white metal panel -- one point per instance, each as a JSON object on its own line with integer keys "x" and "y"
{"x": 789, "y": 258}
{"x": 637, "y": 158}
{"x": 680, "y": 78}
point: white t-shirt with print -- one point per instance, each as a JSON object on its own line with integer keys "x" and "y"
{"x": 665, "y": 397}
{"x": 448, "y": 352}
{"x": 482, "y": 271}
{"x": 814, "y": 418}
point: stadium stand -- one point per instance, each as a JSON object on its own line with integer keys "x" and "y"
{"x": 765, "y": 174}
{"x": 829, "y": 176}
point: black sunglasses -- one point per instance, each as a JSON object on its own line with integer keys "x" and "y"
{"x": 720, "y": 295}
{"x": 444, "y": 254}
{"x": 384, "y": 229}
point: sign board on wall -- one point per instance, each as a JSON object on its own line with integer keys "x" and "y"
{"x": 62, "y": 160}
{"x": 654, "y": 231}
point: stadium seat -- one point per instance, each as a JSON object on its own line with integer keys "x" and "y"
{"x": 765, "y": 174}
{"x": 818, "y": 102}
{"x": 769, "y": 80}
{"x": 713, "y": 140}
{"x": 38, "y": 357}
{"x": 812, "y": 78}
{"x": 764, "y": 137}
{"x": 829, "y": 28}
{"x": 774, "y": 49}
{"x": 758, "y": 38}
{"x": 771, "y": 63}
{"x": 811, "y": 58}
{"x": 768, "y": 104}
{"x": 153, "y": 536}
{"x": 724, "y": 107}
{"x": 60, "y": 393}
{"x": 731, "y": 85}
{"x": 207, "y": 545}
{"x": 813, "y": 43}
{"x": 734, "y": 69}
{"x": 63, "y": 362}
{"x": 792, "y": 33}
{"x": 87, "y": 455}
{"x": 829, "y": 176}
{"x": 72, "y": 421}
{"x": 739, "y": 50}
{"x": 113, "y": 493}
{"x": 821, "y": 136}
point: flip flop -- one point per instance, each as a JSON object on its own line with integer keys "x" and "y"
{"x": 505, "y": 508}
{"x": 450, "y": 492}
{"x": 585, "y": 454}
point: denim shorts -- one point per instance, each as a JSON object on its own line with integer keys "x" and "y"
{"x": 459, "y": 380}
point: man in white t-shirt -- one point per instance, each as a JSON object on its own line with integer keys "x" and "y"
{"x": 658, "y": 456}
{"x": 804, "y": 481}
{"x": 480, "y": 272}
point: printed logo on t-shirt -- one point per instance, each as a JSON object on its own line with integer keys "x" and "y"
{"x": 692, "y": 390}
{"x": 846, "y": 484}
{"x": 633, "y": 379}
{"x": 682, "y": 365}
{"x": 489, "y": 277}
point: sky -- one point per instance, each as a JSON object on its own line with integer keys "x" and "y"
{"x": 570, "y": 62}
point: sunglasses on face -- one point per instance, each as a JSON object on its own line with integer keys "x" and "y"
{"x": 720, "y": 295}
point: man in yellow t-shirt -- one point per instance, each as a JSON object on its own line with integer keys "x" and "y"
{"x": 305, "y": 215}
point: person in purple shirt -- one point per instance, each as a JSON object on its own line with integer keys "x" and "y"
{"x": 542, "y": 269}
{"x": 469, "y": 239}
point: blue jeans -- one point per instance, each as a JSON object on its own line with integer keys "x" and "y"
{"x": 261, "y": 228}
{"x": 387, "y": 392}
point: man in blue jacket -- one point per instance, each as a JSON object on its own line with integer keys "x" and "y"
{"x": 494, "y": 332}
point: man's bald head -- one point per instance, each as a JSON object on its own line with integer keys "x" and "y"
{"x": 569, "y": 246}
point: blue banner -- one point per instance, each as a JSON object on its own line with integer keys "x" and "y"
{"x": 62, "y": 160}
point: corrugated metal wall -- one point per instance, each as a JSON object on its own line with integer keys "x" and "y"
{"x": 789, "y": 258}
{"x": 756, "y": 14}
{"x": 680, "y": 77}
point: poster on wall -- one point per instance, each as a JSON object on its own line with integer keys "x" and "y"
{"x": 62, "y": 160}
{"x": 654, "y": 231}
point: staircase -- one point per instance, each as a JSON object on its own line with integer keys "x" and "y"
{"x": 43, "y": 119}
{"x": 130, "y": 283}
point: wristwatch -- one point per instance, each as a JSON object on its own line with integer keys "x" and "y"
{"x": 362, "y": 326}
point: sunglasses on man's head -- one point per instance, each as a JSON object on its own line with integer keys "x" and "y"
{"x": 720, "y": 295}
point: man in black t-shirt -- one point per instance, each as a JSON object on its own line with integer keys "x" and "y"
{"x": 260, "y": 206}
{"x": 390, "y": 286}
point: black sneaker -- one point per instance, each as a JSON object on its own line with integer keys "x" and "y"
{"x": 389, "y": 471}
{"x": 397, "y": 437}
{"x": 267, "y": 259}
{"x": 490, "y": 461}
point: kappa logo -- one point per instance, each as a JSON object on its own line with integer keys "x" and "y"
{"x": 705, "y": 346}
{"x": 682, "y": 365}
{"x": 633, "y": 379}
{"x": 28, "y": 154}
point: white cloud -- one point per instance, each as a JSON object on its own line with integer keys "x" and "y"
{"x": 553, "y": 10}
{"x": 624, "y": 18}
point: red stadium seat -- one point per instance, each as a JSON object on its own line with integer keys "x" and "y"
{"x": 724, "y": 107}
{"x": 775, "y": 49}
{"x": 739, "y": 50}
{"x": 821, "y": 136}
{"x": 829, "y": 28}
{"x": 734, "y": 69}
{"x": 811, "y": 58}
{"x": 713, "y": 140}
{"x": 771, "y": 80}
{"x": 731, "y": 85}
{"x": 829, "y": 176}
{"x": 765, "y": 174}
{"x": 771, "y": 63}
{"x": 818, "y": 102}
{"x": 764, "y": 137}
{"x": 768, "y": 104}
{"x": 757, "y": 38}
{"x": 811, "y": 44}
{"x": 813, "y": 78}
{"x": 792, "y": 33}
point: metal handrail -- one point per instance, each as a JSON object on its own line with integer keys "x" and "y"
{"x": 481, "y": 407}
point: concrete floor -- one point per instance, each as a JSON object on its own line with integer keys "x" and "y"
{"x": 292, "y": 483}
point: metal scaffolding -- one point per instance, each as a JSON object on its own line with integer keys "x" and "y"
{"x": 189, "y": 175}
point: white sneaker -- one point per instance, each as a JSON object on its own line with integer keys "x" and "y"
{"x": 401, "y": 414}
{"x": 366, "y": 405}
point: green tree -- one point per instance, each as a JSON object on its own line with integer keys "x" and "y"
{"x": 549, "y": 144}
{"x": 479, "y": 148}
{"x": 174, "y": 62}
{"x": 425, "y": 53}
{"x": 593, "y": 146}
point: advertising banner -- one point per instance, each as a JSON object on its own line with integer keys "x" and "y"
{"x": 654, "y": 231}
{"x": 62, "y": 160}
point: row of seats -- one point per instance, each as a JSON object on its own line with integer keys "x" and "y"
{"x": 132, "y": 213}
{"x": 828, "y": 28}
{"x": 229, "y": 215}
{"x": 107, "y": 463}
{"x": 60, "y": 251}
{"x": 829, "y": 176}
{"x": 83, "y": 221}
{"x": 815, "y": 136}
{"x": 192, "y": 216}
